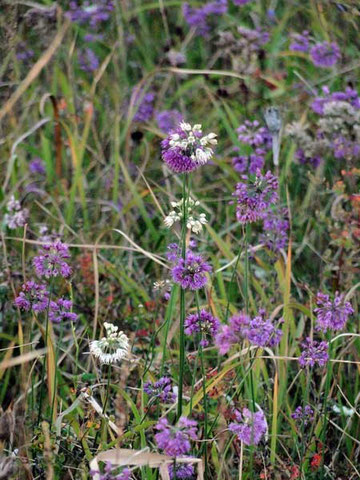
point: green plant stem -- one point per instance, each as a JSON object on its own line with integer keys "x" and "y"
{"x": 329, "y": 370}
{"x": 306, "y": 400}
{"x": 182, "y": 298}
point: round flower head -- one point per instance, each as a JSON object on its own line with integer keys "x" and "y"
{"x": 175, "y": 441}
{"x": 191, "y": 272}
{"x": 204, "y": 323}
{"x": 183, "y": 471}
{"x": 332, "y": 315}
{"x": 300, "y": 42}
{"x": 253, "y": 198}
{"x": 161, "y": 389}
{"x": 252, "y": 134}
{"x": 325, "y": 54}
{"x": 113, "y": 347}
{"x": 51, "y": 261}
{"x": 249, "y": 427}
{"x": 229, "y": 335}
{"x": 304, "y": 415}
{"x": 60, "y": 311}
{"x": 186, "y": 149}
{"x": 33, "y": 296}
{"x": 314, "y": 353}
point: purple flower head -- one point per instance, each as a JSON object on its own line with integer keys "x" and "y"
{"x": 253, "y": 40}
{"x": 183, "y": 471}
{"x": 88, "y": 61}
{"x": 332, "y": 315}
{"x": 162, "y": 389}
{"x": 275, "y": 229}
{"x": 252, "y": 134}
{"x": 37, "y": 166}
{"x": 300, "y": 42}
{"x": 350, "y": 95}
{"x": 314, "y": 353}
{"x": 186, "y": 148}
{"x": 109, "y": 473}
{"x": 33, "y": 296}
{"x": 23, "y": 53}
{"x": 262, "y": 332}
{"x": 144, "y": 105}
{"x": 175, "y": 441}
{"x": 303, "y": 415}
{"x": 197, "y": 18}
{"x": 168, "y": 120}
{"x": 253, "y": 198}
{"x": 250, "y": 163}
{"x": 325, "y": 54}
{"x": 191, "y": 272}
{"x": 61, "y": 311}
{"x": 249, "y": 427}
{"x": 229, "y": 335}
{"x": 92, "y": 15}
{"x": 173, "y": 252}
{"x": 303, "y": 159}
{"x": 203, "y": 323}
{"x": 51, "y": 261}
{"x": 241, "y": 2}
{"x": 345, "y": 148}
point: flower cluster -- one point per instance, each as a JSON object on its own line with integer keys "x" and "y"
{"x": 16, "y": 216}
{"x": 251, "y": 133}
{"x": 162, "y": 390}
{"x": 37, "y": 166}
{"x": 198, "y": 17}
{"x": 242, "y": 49}
{"x": 303, "y": 415}
{"x": 249, "y": 427}
{"x": 325, "y": 54}
{"x": 144, "y": 105}
{"x": 193, "y": 223}
{"x": 249, "y": 163}
{"x": 300, "y": 42}
{"x": 168, "y": 120}
{"x": 109, "y": 473}
{"x": 175, "y": 441}
{"x": 88, "y": 60}
{"x": 61, "y": 310}
{"x": 163, "y": 286}
{"x": 52, "y": 261}
{"x": 253, "y": 197}
{"x": 113, "y": 347}
{"x": 190, "y": 273}
{"x": 259, "y": 331}
{"x": 182, "y": 471}
{"x": 203, "y": 323}
{"x": 275, "y": 229}
{"x": 332, "y": 315}
{"x": 33, "y": 296}
{"x": 186, "y": 148}
{"x": 313, "y": 353}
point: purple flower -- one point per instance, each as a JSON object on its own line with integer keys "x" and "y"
{"x": 143, "y": 104}
{"x": 198, "y": 17}
{"x": 186, "y": 149}
{"x": 350, "y": 95}
{"x": 33, "y": 296}
{"x": 162, "y": 389}
{"x": 300, "y": 42}
{"x": 91, "y": 14}
{"x": 23, "y": 53}
{"x": 253, "y": 198}
{"x": 175, "y": 441}
{"x": 37, "y": 166}
{"x": 304, "y": 415}
{"x": 241, "y": 2}
{"x": 109, "y": 473}
{"x": 250, "y": 163}
{"x": 51, "y": 261}
{"x": 275, "y": 229}
{"x": 325, "y": 54}
{"x": 183, "y": 471}
{"x": 61, "y": 310}
{"x": 168, "y": 120}
{"x": 332, "y": 315}
{"x": 203, "y": 323}
{"x": 249, "y": 427}
{"x": 88, "y": 61}
{"x": 173, "y": 252}
{"x": 303, "y": 159}
{"x": 314, "y": 353}
{"x": 252, "y": 134}
{"x": 191, "y": 272}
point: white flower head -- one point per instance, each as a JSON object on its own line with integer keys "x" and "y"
{"x": 113, "y": 347}
{"x": 194, "y": 222}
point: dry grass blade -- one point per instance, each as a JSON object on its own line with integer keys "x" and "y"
{"x": 27, "y": 357}
{"x": 143, "y": 458}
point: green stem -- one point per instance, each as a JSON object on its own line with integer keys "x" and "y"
{"x": 182, "y": 298}
{"x": 306, "y": 400}
{"x": 107, "y": 389}
{"x": 326, "y": 394}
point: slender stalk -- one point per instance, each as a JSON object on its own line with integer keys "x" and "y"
{"x": 306, "y": 399}
{"x": 107, "y": 389}
{"x": 182, "y": 298}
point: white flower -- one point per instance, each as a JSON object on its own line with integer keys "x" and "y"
{"x": 171, "y": 219}
{"x": 193, "y": 222}
{"x": 112, "y": 348}
{"x": 202, "y": 156}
